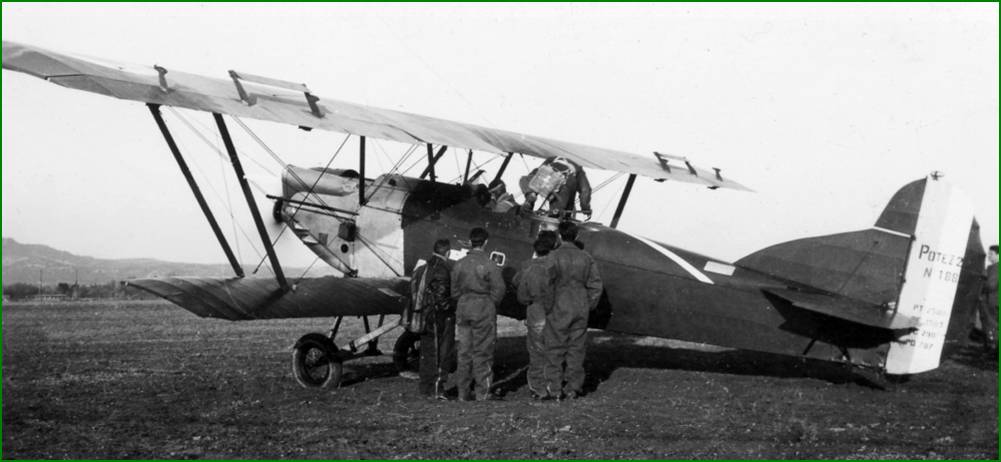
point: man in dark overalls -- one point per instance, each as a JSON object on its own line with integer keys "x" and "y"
{"x": 478, "y": 286}
{"x": 535, "y": 282}
{"x": 431, "y": 289}
{"x": 577, "y": 292}
{"x": 989, "y": 302}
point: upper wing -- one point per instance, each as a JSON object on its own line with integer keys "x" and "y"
{"x": 280, "y": 102}
{"x": 240, "y": 299}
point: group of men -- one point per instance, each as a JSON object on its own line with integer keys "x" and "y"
{"x": 454, "y": 307}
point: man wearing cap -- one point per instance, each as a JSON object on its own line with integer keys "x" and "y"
{"x": 535, "y": 282}
{"x": 577, "y": 291}
{"x": 431, "y": 289}
{"x": 478, "y": 286}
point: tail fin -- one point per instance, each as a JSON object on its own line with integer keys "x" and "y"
{"x": 945, "y": 255}
{"x": 922, "y": 259}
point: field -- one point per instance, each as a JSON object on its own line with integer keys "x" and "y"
{"x": 149, "y": 380}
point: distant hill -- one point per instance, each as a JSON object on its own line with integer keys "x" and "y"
{"x": 21, "y": 263}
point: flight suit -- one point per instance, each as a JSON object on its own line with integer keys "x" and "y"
{"x": 989, "y": 307}
{"x": 565, "y": 197}
{"x": 535, "y": 282}
{"x": 432, "y": 282}
{"x": 478, "y": 286}
{"x": 577, "y": 291}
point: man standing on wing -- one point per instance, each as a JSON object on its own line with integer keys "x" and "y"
{"x": 478, "y": 286}
{"x": 577, "y": 291}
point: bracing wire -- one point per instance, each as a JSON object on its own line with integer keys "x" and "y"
{"x": 229, "y": 205}
{"x": 411, "y": 167}
{"x": 308, "y": 193}
{"x": 606, "y": 182}
{"x": 213, "y": 145}
{"x": 304, "y": 273}
{"x": 260, "y": 142}
{"x": 396, "y": 166}
{"x": 218, "y": 195}
{"x": 609, "y": 203}
{"x": 375, "y": 252}
{"x": 476, "y": 168}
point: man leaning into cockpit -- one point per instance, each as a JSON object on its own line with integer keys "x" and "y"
{"x": 559, "y": 180}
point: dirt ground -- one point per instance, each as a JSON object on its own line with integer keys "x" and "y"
{"x": 150, "y": 380}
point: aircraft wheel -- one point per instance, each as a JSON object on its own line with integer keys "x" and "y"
{"x": 316, "y": 363}
{"x": 407, "y": 352}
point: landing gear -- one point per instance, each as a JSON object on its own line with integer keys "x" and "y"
{"x": 319, "y": 363}
{"x": 407, "y": 352}
{"x": 316, "y": 362}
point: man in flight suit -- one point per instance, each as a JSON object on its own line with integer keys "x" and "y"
{"x": 535, "y": 284}
{"x": 431, "y": 286}
{"x": 989, "y": 302}
{"x": 479, "y": 287}
{"x": 577, "y": 291}
{"x": 563, "y": 199}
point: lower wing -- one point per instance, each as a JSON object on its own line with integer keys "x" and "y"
{"x": 239, "y": 299}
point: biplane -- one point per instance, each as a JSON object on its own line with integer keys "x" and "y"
{"x": 881, "y": 299}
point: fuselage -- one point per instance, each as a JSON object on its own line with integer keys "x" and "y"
{"x": 650, "y": 289}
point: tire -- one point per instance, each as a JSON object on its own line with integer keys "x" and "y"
{"x": 407, "y": 352}
{"x": 316, "y": 363}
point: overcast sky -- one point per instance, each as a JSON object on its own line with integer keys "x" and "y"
{"x": 824, "y": 110}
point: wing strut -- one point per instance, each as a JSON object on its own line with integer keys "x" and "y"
{"x": 155, "y": 110}
{"x": 503, "y": 167}
{"x": 623, "y": 199}
{"x": 361, "y": 171}
{"x": 469, "y": 160}
{"x": 432, "y": 161}
{"x": 249, "y": 195}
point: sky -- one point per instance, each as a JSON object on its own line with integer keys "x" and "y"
{"x": 824, "y": 110}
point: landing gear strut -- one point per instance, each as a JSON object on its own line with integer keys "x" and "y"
{"x": 317, "y": 362}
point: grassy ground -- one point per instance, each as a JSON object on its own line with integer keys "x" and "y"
{"x": 149, "y": 380}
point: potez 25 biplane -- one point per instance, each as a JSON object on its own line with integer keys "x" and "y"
{"x": 880, "y": 299}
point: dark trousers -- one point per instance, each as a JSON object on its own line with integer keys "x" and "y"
{"x": 566, "y": 344}
{"x": 437, "y": 355}
{"x": 534, "y": 343}
{"x": 989, "y": 321}
{"x": 476, "y": 335}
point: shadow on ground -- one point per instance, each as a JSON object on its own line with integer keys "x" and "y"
{"x": 610, "y": 351}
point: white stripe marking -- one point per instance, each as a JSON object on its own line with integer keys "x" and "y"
{"x": 390, "y": 292}
{"x": 677, "y": 259}
{"x": 719, "y": 268}
{"x": 895, "y": 233}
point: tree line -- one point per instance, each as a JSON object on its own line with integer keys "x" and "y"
{"x": 109, "y": 290}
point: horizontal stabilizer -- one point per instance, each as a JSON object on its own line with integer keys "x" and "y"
{"x": 849, "y": 310}
{"x": 238, "y": 299}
